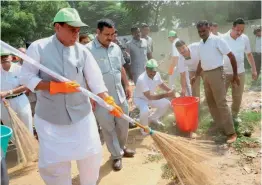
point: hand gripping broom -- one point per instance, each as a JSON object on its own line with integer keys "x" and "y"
{"x": 184, "y": 156}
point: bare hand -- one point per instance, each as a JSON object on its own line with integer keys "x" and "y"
{"x": 128, "y": 93}
{"x": 93, "y": 103}
{"x": 236, "y": 80}
{"x": 171, "y": 94}
{"x": 254, "y": 75}
{"x": 3, "y": 94}
{"x": 193, "y": 80}
{"x": 183, "y": 92}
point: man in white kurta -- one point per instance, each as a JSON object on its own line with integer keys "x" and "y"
{"x": 239, "y": 44}
{"x": 145, "y": 95}
{"x": 64, "y": 120}
{"x": 13, "y": 92}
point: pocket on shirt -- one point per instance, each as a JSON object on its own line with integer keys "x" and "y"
{"x": 104, "y": 65}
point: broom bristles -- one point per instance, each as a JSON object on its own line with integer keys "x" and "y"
{"x": 26, "y": 144}
{"x": 185, "y": 159}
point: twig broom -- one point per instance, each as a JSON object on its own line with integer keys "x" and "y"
{"x": 26, "y": 144}
{"x": 182, "y": 155}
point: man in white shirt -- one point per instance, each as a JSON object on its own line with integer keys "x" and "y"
{"x": 64, "y": 119}
{"x": 214, "y": 29}
{"x": 145, "y": 30}
{"x": 239, "y": 44}
{"x": 189, "y": 58}
{"x": 145, "y": 95}
{"x": 211, "y": 51}
{"x": 174, "y": 71}
{"x": 258, "y": 48}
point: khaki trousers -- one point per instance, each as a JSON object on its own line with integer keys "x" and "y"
{"x": 215, "y": 92}
{"x": 196, "y": 86}
{"x": 237, "y": 92}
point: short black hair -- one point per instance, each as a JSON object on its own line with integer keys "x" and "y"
{"x": 27, "y": 44}
{"x": 144, "y": 25}
{"x": 238, "y": 21}
{"x": 213, "y": 24}
{"x": 202, "y": 23}
{"x": 105, "y": 23}
{"x": 180, "y": 43}
{"x": 134, "y": 28}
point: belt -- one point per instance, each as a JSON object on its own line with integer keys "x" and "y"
{"x": 221, "y": 67}
{"x": 11, "y": 97}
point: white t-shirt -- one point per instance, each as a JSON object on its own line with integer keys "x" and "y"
{"x": 258, "y": 45}
{"x": 211, "y": 52}
{"x": 238, "y": 47}
{"x": 174, "y": 53}
{"x": 144, "y": 84}
{"x": 192, "y": 63}
{"x": 10, "y": 79}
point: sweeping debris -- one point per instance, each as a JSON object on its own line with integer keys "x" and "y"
{"x": 183, "y": 156}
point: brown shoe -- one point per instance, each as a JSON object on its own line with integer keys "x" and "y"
{"x": 117, "y": 164}
{"x": 231, "y": 138}
{"x": 128, "y": 152}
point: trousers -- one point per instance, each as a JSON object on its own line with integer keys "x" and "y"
{"x": 161, "y": 106}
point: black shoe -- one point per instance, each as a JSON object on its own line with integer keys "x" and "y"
{"x": 131, "y": 126}
{"x": 117, "y": 164}
{"x": 128, "y": 153}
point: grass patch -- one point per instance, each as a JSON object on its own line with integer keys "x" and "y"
{"x": 153, "y": 158}
{"x": 245, "y": 142}
{"x": 167, "y": 172}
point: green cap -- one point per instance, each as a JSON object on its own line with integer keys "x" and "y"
{"x": 5, "y": 53}
{"x": 69, "y": 16}
{"x": 172, "y": 34}
{"x": 152, "y": 64}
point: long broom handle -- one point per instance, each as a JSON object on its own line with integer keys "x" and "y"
{"x": 99, "y": 100}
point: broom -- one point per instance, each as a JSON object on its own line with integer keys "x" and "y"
{"x": 183, "y": 156}
{"x": 26, "y": 144}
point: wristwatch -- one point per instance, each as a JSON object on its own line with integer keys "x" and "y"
{"x": 10, "y": 92}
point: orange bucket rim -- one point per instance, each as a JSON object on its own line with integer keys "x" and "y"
{"x": 181, "y": 104}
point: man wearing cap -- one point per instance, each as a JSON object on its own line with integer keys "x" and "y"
{"x": 145, "y": 95}
{"x": 174, "y": 70}
{"x": 211, "y": 51}
{"x": 13, "y": 92}
{"x": 139, "y": 51}
{"x": 239, "y": 43}
{"x": 110, "y": 59}
{"x": 64, "y": 120}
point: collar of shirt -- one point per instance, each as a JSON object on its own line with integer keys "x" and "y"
{"x": 99, "y": 45}
{"x": 211, "y": 36}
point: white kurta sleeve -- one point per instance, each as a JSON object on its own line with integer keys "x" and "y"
{"x": 223, "y": 46}
{"x": 93, "y": 75}
{"x": 29, "y": 73}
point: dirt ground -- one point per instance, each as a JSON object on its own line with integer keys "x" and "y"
{"x": 230, "y": 167}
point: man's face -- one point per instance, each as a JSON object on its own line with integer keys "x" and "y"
{"x": 214, "y": 29}
{"x": 67, "y": 34}
{"x": 150, "y": 73}
{"x": 106, "y": 36}
{"x": 258, "y": 33}
{"x": 85, "y": 41}
{"x": 183, "y": 50}
{"x": 171, "y": 39}
{"x": 203, "y": 32}
{"x": 115, "y": 38}
{"x": 136, "y": 34}
{"x": 238, "y": 29}
{"x": 6, "y": 62}
{"x": 145, "y": 31}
